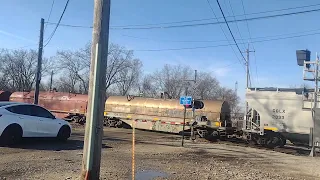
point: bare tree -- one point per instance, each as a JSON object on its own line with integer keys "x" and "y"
{"x": 77, "y": 65}
{"x": 171, "y": 79}
{"x": 118, "y": 60}
{"x": 128, "y": 78}
{"x": 206, "y": 87}
{"x": 230, "y": 96}
{"x": 147, "y": 87}
{"x": 18, "y": 69}
{"x": 67, "y": 83}
{"x": 119, "y": 66}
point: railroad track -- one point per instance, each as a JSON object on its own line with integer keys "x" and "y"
{"x": 287, "y": 149}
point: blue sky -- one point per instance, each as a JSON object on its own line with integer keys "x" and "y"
{"x": 274, "y": 61}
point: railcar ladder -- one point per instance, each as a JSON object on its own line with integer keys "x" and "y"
{"x": 311, "y": 96}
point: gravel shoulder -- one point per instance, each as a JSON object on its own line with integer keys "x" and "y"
{"x": 156, "y": 154}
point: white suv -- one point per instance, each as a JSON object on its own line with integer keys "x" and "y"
{"x": 19, "y": 120}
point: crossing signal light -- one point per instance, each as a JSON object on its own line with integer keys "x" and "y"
{"x": 196, "y": 105}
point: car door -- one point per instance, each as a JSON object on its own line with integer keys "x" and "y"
{"x": 21, "y": 113}
{"x": 48, "y": 126}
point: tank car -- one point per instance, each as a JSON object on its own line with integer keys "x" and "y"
{"x": 68, "y": 106}
{"x": 166, "y": 115}
{"x": 4, "y": 95}
{"x": 278, "y": 114}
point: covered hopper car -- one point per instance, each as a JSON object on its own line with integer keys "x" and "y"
{"x": 279, "y": 114}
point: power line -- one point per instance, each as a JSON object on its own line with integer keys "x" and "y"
{"x": 221, "y": 45}
{"x": 69, "y": 25}
{"x": 210, "y": 41}
{"x": 225, "y": 34}
{"x": 49, "y": 14}
{"x": 54, "y": 31}
{"x": 27, "y": 46}
{"x": 206, "y": 19}
{"x": 213, "y": 23}
{"x": 254, "y": 50}
{"x": 196, "y": 24}
{"x": 192, "y": 41}
{"x": 235, "y": 19}
{"x": 230, "y": 30}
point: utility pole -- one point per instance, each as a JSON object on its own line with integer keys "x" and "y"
{"x": 236, "y": 87}
{"x": 51, "y": 80}
{"x": 38, "y": 75}
{"x": 97, "y": 92}
{"x": 248, "y": 84}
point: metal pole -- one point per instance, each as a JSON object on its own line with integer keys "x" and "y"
{"x": 247, "y": 86}
{"x": 312, "y": 152}
{"x": 184, "y": 122}
{"x": 38, "y": 75}
{"x": 97, "y": 92}
{"x": 247, "y": 68}
{"x": 184, "y": 118}
{"x": 51, "y": 80}
{"x": 194, "y": 88}
{"x": 133, "y": 148}
{"x": 193, "y": 109}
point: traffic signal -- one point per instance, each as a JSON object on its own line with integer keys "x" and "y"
{"x": 197, "y": 105}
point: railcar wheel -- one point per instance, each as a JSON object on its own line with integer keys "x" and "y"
{"x": 282, "y": 142}
{"x": 272, "y": 141}
{"x": 202, "y": 133}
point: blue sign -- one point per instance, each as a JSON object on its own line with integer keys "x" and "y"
{"x": 185, "y": 100}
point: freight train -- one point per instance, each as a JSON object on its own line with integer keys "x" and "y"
{"x": 273, "y": 115}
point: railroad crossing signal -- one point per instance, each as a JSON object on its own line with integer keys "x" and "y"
{"x": 185, "y": 100}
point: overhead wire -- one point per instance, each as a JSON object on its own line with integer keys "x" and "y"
{"x": 230, "y": 30}
{"x": 200, "y": 41}
{"x": 221, "y": 45}
{"x": 197, "y": 24}
{"x": 235, "y": 19}
{"x": 48, "y": 19}
{"x": 206, "y": 19}
{"x": 212, "y": 23}
{"x": 225, "y": 34}
{"x": 254, "y": 49}
{"x": 210, "y": 41}
{"x": 54, "y": 31}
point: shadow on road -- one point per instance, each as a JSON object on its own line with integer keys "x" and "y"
{"x": 50, "y": 144}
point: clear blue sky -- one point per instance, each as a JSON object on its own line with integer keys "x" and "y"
{"x": 275, "y": 60}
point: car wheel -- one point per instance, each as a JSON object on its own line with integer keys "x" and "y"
{"x": 64, "y": 133}
{"x": 12, "y": 135}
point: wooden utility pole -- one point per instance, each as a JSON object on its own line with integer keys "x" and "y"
{"x": 38, "y": 75}
{"x": 97, "y": 92}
